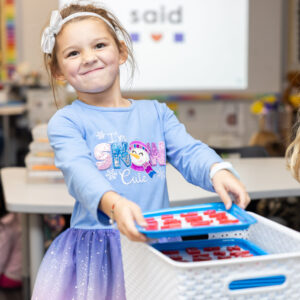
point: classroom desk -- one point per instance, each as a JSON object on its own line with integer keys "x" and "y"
{"x": 7, "y": 110}
{"x": 263, "y": 178}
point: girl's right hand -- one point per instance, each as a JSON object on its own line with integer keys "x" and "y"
{"x": 126, "y": 213}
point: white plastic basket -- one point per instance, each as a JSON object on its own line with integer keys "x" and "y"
{"x": 149, "y": 274}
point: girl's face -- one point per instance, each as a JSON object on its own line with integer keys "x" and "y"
{"x": 88, "y": 57}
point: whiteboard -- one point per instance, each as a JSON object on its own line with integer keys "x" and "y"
{"x": 196, "y": 46}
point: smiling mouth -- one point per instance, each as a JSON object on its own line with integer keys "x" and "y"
{"x": 91, "y": 71}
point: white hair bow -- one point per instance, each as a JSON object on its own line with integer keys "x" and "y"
{"x": 48, "y": 37}
{"x": 56, "y": 23}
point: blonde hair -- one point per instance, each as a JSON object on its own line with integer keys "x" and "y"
{"x": 293, "y": 151}
{"x": 50, "y": 60}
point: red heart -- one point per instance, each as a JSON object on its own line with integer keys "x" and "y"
{"x": 156, "y": 37}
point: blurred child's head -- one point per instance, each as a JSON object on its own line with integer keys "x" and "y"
{"x": 269, "y": 141}
{"x": 80, "y": 48}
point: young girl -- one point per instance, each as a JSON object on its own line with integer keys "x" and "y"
{"x": 113, "y": 153}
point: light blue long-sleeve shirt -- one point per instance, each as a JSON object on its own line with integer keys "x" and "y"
{"x": 125, "y": 150}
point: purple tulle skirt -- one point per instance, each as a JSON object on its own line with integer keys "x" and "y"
{"x": 82, "y": 264}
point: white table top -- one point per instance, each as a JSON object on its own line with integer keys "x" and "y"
{"x": 21, "y": 196}
{"x": 263, "y": 178}
{"x": 12, "y": 109}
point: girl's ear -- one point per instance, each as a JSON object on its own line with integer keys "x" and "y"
{"x": 123, "y": 53}
{"x": 58, "y": 75}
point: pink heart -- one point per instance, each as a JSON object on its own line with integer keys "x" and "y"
{"x": 156, "y": 37}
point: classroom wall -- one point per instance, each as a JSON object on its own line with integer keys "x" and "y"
{"x": 208, "y": 121}
{"x": 265, "y": 36}
{"x": 32, "y": 16}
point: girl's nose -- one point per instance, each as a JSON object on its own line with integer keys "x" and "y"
{"x": 89, "y": 57}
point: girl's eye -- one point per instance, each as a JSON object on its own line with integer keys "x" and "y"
{"x": 100, "y": 45}
{"x": 133, "y": 151}
{"x": 73, "y": 53}
{"x": 141, "y": 153}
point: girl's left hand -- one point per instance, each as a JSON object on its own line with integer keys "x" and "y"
{"x": 225, "y": 182}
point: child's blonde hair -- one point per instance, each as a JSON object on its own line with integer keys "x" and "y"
{"x": 50, "y": 60}
{"x": 293, "y": 151}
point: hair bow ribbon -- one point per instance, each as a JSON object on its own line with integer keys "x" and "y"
{"x": 48, "y": 37}
{"x": 56, "y": 23}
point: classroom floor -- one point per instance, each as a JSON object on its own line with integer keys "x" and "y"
{"x": 11, "y": 294}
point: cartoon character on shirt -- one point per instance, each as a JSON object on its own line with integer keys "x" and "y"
{"x": 140, "y": 159}
{"x": 136, "y": 156}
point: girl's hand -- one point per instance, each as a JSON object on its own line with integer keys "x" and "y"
{"x": 224, "y": 183}
{"x": 126, "y": 213}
